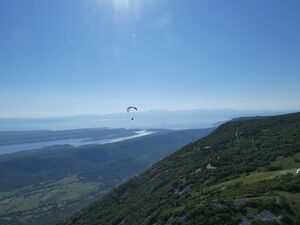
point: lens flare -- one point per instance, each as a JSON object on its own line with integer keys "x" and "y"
{"x": 120, "y": 5}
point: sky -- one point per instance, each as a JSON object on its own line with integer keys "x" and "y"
{"x": 69, "y": 57}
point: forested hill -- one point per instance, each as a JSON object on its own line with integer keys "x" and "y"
{"x": 243, "y": 173}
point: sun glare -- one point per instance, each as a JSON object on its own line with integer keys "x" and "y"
{"x": 120, "y": 5}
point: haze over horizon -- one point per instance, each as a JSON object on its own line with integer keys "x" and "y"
{"x": 76, "y": 57}
{"x": 182, "y": 119}
{"x": 241, "y": 112}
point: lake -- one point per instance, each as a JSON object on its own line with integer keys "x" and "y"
{"x": 8, "y": 149}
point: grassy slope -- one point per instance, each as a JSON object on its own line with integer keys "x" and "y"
{"x": 250, "y": 159}
{"x": 28, "y": 203}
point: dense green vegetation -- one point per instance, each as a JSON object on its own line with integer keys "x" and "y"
{"x": 243, "y": 173}
{"x": 39, "y": 187}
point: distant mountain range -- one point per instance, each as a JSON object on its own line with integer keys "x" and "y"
{"x": 245, "y": 173}
{"x": 185, "y": 119}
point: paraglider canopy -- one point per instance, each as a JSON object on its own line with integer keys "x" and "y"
{"x": 130, "y": 108}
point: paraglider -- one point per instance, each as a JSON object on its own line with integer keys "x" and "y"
{"x": 131, "y": 108}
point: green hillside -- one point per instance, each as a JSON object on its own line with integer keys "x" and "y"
{"x": 243, "y": 173}
{"x": 41, "y": 187}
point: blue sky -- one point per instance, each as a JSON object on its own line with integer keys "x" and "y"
{"x": 66, "y": 57}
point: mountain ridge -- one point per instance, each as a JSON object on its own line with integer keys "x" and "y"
{"x": 242, "y": 173}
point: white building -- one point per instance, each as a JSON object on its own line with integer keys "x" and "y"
{"x": 210, "y": 167}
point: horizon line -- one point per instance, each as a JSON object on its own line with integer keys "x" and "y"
{"x": 290, "y": 110}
